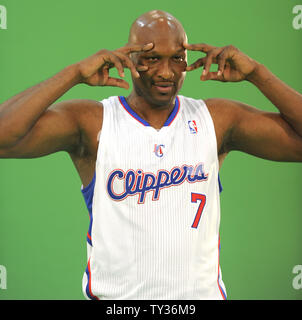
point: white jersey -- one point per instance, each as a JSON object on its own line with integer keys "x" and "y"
{"x": 154, "y": 207}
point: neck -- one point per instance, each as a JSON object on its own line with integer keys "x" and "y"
{"x": 155, "y": 114}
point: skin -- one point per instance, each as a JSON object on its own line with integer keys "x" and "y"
{"x": 33, "y": 125}
{"x": 165, "y": 66}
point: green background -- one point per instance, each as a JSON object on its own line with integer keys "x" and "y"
{"x": 43, "y": 218}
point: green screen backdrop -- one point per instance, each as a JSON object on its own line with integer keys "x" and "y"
{"x": 43, "y": 218}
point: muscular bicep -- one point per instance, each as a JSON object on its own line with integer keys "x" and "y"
{"x": 263, "y": 134}
{"x": 56, "y": 130}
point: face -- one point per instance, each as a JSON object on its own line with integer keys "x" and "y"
{"x": 166, "y": 64}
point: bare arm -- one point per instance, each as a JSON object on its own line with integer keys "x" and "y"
{"x": 274, "y": 136}
{"x": 263, "y": 134}
{"x": 30, "y": 125}
{"x": 19, "y": 114}
{"x": 60, "y": 128}
{"x": 286, "y": 99}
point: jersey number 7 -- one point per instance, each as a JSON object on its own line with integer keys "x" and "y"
{"x": 194, "y": 198}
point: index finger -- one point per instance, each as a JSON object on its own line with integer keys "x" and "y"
{"x": 198, "y": 47}
{"x": 136, "y": 48}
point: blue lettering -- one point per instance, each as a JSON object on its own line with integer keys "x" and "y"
{"x": 146, "y": 187}
{"x": 176, "y": 173}
{"x": 120, "y": 174}
{"x": 161, "y": 184}
{"x": 140, "y": 183}
{"x": 199, "y": 173}
{"x": 130, "y": 182}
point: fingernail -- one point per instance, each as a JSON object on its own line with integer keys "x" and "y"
{"x": 219, "y": 73}
{"x": 146, "y": 46}
{"x": 137, "y": 75}
{"x": 204, "y": 72}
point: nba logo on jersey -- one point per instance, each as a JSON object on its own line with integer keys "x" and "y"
{"x": 192, "y": 126}
{"x": 158, "y": 150}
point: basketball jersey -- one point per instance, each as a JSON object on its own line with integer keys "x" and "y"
{"x": 154, "y": 207}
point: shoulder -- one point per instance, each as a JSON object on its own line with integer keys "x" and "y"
{"x": 225, "y": 114}
{"x": 231, "y": 116}
{"x": 231, "y": 107}
{"x": 83, "y": 112}
{"x": 79, "y": 108}
{"x": 219, "y": 109}
{"x": 225, "y": 110}
{"x": 215, "y": 104}
{"x": 212, "y": 104}
{"x": 229, "y": 113}
{"x": 87, "y": 116}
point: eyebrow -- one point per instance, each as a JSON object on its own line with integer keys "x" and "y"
{"x": 151, "y": 52}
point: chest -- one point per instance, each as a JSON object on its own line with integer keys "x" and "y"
{"x": 127, "y": 146}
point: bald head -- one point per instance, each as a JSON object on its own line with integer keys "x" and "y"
{"x": 164, "y": 63}
{"x": 154, "y": 24}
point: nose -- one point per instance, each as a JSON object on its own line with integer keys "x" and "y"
{"x": 165, "y": 71}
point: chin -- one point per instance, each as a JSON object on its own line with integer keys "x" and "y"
{"x": 157, "y": 98}
{"x": 161, "y": 100}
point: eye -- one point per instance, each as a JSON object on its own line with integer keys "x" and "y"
{"x": 179, "y": 58}
{"x": 152, "y": 59}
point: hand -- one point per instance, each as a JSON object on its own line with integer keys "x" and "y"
{"x": 233, "y": 65}
{"x": 94, "y": 70}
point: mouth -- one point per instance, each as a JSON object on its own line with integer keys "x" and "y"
{"x": 163, "y": 87}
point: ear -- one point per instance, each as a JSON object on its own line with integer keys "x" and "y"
{"x": 185, "y": 42}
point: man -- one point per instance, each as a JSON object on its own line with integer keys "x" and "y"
{"x": 149, "y": 162}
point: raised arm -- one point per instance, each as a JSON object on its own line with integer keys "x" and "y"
{"x": 274, "y": 136}
{"x": 31, "y": 126}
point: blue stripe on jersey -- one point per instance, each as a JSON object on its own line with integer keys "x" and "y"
{"x": 220, "y": 185}
{"x": 87, "y": 286}
{"x": 88, "y": 192}
{"x": 222, "y": 291}
{"x": 144, "y": 122}
{"x": 132, "y": 112}
{"x": 173, "y": 113}
{"x": 89, "y": 293}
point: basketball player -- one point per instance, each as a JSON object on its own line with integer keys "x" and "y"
{"x": 149, "y": 162}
